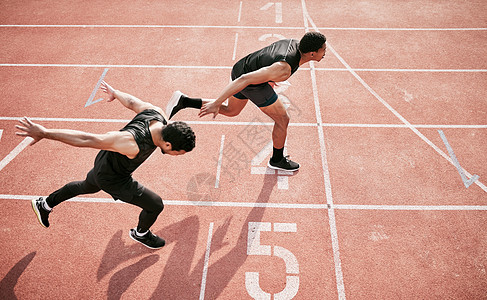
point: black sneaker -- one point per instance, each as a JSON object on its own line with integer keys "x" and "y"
{"x": 284, "y": 164}
{"x": 41, "y": 213}
{"x": 149, "y": 239}
{"x": 175, "y": 104}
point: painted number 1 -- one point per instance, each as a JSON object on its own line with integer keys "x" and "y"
{"x": 278, "y": 8}
{"x": 254, "y": 247}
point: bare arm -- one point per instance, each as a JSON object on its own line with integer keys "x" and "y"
{"x": 127, "y": 100}
{"x": 278, "y": 71}
{"x": 118, "y": 141}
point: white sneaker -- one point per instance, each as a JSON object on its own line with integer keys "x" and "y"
{"x": 175, "y": 104}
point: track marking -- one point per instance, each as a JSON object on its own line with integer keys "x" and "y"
{"x": 235, "y": 46}
{"x": 278, "y": 12}
{"x": 1, "y": 133}
{"x": 219, "y": 166}
{"x": 5, "y": 161}
{"x": 326, "y": 174}
{"x": 207, "y": 258}
{"x": 267, "y": 6}
{"x": 254, "y": 247}
{"x": 407, "y": 70}
{"x": 263, "y": 37}
{"x": 434, "y": 126}
{"x": 240, "y": 27}
{"x": 239, "y": 11}
{"x": 310, "y": 206}
{"x": 90, "y": 100}
{"x": 466, "y": 182}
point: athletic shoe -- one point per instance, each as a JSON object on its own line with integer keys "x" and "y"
{"x": 175, "y": 104}
{"x": 149, "y": 239}
{"x": 41, "y": 213}
{"x": 284, "y": 164}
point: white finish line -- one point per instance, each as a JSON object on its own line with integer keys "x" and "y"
{"x": 274, "y": 205}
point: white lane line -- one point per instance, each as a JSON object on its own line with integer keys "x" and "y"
{"x": 207, "y": 259}
{"x": 219, "y": 166}
{"x": 326, "y": 174}
{"x": 412, "y": 207}
{"x": 433, "y": 126}
{"x": 235, "y": 46}
{"x": 15, "y": 152}
{"x": 230, "y": 67}
{"x": 239, "y": 12}
{"x": 406, "y": 70}
{"x": 241, "y": 27}
{"x": 274, "y": 205}
{"x": 117, "y": 66}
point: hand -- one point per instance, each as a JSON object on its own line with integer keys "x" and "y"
{"x": 109, "y": 90}
{"x": 35, "y": 131}
{"x": 209, "y": 108}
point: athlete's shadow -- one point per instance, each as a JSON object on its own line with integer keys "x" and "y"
{"x": 180, "y": 278}
{"x": 180, "y": 281}
{"x": 8, "y": 283}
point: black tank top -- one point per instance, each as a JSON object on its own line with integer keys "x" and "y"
{"x": 112, "y": 167}
{"x": 283, "y": 50}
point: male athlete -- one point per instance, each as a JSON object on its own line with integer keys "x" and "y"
{"x": 253, "y": 78}
{"x": 121, "y": 153}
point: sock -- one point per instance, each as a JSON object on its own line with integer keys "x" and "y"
{"x": 140, "y": 234}
{"x": 277, "y": 154}
{"x": 45, "y": 205}
{"x": 192, "y": 102}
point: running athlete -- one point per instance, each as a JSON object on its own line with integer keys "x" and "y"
{"x": 121, "y": 153}
{"x": 253, "y": 78}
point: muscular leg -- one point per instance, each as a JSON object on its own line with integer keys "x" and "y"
{"x": 73, "y": 189}
{"x": 278, "y": 113}
{"x": 151, "y": 205}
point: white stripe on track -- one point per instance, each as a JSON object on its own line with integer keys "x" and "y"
{"x": 326, "y": 173}
{"x": 7, "y": 159}
{"x": 239, "y": 27}
{"x": 310, "y": 206}
{"x": 205, "y": 266}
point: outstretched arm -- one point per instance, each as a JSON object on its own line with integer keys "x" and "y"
{"x": 279, "y": 71}
{"x": 118, "y": 141}
{"x": 129, "y": 101}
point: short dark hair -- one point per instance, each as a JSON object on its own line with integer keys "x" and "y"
{"x": 311, "y": 42}
{"x": 180, "y": 135}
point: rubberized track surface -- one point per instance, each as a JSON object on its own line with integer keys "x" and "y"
{"x": 382, "y": 207}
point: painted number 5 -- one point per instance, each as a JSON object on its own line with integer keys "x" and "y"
{"x": 254, "y": 247}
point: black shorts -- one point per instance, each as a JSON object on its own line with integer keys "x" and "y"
{"x": 261, "y": 95}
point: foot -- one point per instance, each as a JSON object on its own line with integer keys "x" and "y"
{"x": 284, "y": 164}
{"x": 175, "y": 104}
{"x": 149, "y": 239}
{"x": 41, "y": 213}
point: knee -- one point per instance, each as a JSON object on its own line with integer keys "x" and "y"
{"x": 158, "y": 205}
{"x": 231, "y": 111}
{"x": 282, "y": 120}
